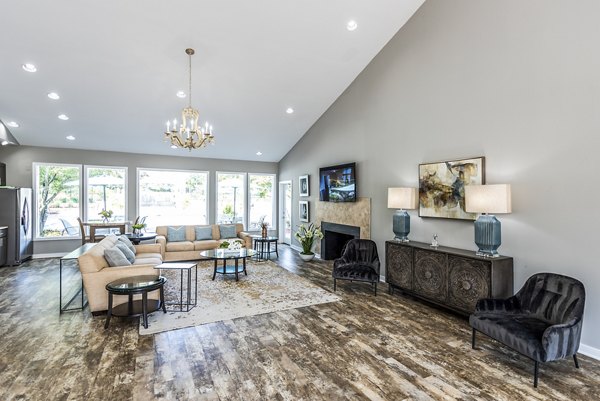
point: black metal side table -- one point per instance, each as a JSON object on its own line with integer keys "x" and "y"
{"x": 131, "y": 286}
{"x": 262, "y": 246}
{"x": 182, "y": 267}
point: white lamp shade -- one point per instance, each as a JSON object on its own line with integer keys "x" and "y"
{"x": 402, "y": 198}
{"x": 488, "y": 198}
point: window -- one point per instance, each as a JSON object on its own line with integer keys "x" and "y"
{"x": 231, "y": 190}
{"x": 171, "y": 197}
{"x": 57, "y": 197}
{"x": 261, "y": 201}
{"x": 106, "y": 189}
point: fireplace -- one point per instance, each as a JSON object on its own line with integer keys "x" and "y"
{"x": 335, "y": 237}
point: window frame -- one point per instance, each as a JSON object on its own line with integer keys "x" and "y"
{"x": 246, "y": 216}
{"x": 36, "y": 165}
{"x": 86, "y": 167}
{"x": 274, "y": 201}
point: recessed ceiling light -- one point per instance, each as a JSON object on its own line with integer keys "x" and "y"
{"x": 351, "y": 25}
{"x": 4, "y": 143}
{"x": 29, "y": 67}
{"x": 12, "y": 124}
{"x": 53, "y": 96}
{"x": 258, "y": 153}
{"x": 289, "y": 110}
{"x": 173, "y": 147}
{"x": 63, "y": 117}
{"x": 70, "y": 137}
{"x": 181, "y": 94}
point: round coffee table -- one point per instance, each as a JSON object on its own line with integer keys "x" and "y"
{"x": 131, "y": 286}
{"x": 137, "y": 238}
{"x": 225, "y": 255}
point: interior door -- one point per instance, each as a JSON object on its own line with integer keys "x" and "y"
{"x": 285, "y": 212}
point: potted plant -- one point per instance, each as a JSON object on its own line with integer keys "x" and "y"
{"x": 106, "y": 215}
{"x": 306, "y": 235}
{"x": 263, "y": 226}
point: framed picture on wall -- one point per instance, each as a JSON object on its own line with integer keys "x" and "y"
{"x": 303, "y": 181}
{"x": 442, "y": 187}
{"x": 303, "y": 211}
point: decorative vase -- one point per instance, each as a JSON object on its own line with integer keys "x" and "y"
{"x": 264, "y": 232}
{"x": 105, "y": 219}
{"x": 307, "y": 258}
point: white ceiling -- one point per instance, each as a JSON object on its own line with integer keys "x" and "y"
{"x": 117, "y": 66}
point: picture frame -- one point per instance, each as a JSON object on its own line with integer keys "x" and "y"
{"x": 303, "y": 185}
{"x": 303, "y": 211}
{"x": 441, "y": 187}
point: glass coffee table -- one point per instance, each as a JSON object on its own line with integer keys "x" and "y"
{"x": 131, "y": 286}
{"x": 225, "y": 255}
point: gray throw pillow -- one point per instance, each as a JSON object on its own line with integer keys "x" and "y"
{"x": 126, "y": 251}
{"x": 227, "y": 231}
{"x": 115, "y": 257}
{"x": 203, "y": 233}
{"x": 176, "y": 234}
{"x": 126, "y": 241}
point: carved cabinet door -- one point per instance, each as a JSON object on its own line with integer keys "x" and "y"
{"x": 399, "y": 266}
{"x": 469, "y": 282}
{"x": 431, "y": 275}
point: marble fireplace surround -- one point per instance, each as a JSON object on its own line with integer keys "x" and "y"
{"x": 349, "y": 213}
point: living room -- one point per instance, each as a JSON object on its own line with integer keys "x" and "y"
{"x": 514, "y": 82}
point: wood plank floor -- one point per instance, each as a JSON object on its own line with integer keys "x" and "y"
{"x": 361, "y": 348}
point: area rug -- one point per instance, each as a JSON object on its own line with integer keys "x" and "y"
{"x": 267, "y": 288}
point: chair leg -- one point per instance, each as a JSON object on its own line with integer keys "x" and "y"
{"x": 576, "y": 361}
{"x": 473, "y": 339}
{"x": 536, "y": 369}
{"x": 334, "y": 285}
{"x": 376, "y": 288}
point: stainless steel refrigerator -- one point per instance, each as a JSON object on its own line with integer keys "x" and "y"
{"x": 15, "y": 213}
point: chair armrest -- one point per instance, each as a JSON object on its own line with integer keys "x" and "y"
{"x": 562, "y": 340}
{"x": 244, "y": 236}
{"x": 498, "y": 305}
{"x": 148, "y": 248}
{"x": 162, "y": 241}
{"x": 340, "y": 262}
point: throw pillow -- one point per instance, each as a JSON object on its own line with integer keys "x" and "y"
{"x": 203, "y": 233}
{"x": 115, "y": 257}
{"x": 176, "y": 234}
{"x": 227, "y": 231}
{"x": 126, "y": 241}
{"x": 126, "y": 251}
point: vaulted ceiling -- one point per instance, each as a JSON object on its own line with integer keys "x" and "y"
{"x": 117, "y": 66}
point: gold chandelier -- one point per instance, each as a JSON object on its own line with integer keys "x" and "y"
{"x": 189, "y": 135}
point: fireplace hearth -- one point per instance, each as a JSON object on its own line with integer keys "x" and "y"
{"x": 335, "y": 237}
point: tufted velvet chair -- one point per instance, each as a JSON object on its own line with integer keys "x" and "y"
{"x": 542, "y": 321}
{"x": 359, "y": 262}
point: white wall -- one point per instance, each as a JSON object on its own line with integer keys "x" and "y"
{"x": 515, "y": 81}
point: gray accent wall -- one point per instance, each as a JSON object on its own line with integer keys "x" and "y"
{"x": 515, "y": 81}
{"x": 19, "y": 162}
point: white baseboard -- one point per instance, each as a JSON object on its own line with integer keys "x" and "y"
{"x": 48, "y": 255}
{"x": 589, "y": 351}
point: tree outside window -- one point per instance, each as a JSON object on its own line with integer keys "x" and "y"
{"x": 262, "y": 200}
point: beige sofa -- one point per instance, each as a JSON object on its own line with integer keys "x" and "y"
{"x": 190, "y": 248}
{"x": 96, "y": 273}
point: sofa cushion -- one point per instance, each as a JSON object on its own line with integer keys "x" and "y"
{"x": 148, "y": 261}
{"x": 176, "y": 234}
{"x": 126, "y": 251}
{"x": 145, "y": 255}
{"x": 115, "y": 257}
{"x": 127, "y": 241}
{"x": 179, "y": 246}
{"x": 205, "y": 245}
{"x": 227, "y": 231}
{"x": 203, "y": 233}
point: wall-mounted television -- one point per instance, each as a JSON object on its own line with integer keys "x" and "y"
{"x": 338, "y": 183}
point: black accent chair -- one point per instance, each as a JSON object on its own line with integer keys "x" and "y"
{"x": 359, "y": 262}
{"x": 542, "y": 321}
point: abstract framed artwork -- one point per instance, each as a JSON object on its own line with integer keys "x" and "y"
{"x": 303, "y": 211}
{"x": 442, "y": 187}
{"x": 304, "y": 189}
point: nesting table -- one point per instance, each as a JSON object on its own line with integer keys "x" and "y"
{"x": 187, "y": 268}
{"x": 262, "y": 245}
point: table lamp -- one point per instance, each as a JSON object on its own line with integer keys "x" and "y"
{"x": 402, "y": 199}
{"x": 488, "y": 200}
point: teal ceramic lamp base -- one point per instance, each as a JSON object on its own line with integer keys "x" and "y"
{"x": 487, "y": 235}
{"x": 401, "y": 225}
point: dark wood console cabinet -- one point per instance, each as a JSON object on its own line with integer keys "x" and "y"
{"x": 449, "y": 277}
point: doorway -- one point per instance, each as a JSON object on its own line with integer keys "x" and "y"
{"x": 285, "y": 212}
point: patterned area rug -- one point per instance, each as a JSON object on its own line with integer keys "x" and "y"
{"x": 267, "y": 288}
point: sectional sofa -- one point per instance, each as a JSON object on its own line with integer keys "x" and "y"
{"x": 186, "y": 242}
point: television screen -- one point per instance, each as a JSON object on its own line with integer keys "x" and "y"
{"x": 338, "y": 183}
